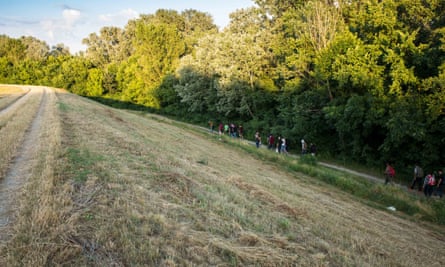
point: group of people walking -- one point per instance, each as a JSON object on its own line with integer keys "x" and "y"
{"x": 280, "y": 144}
{"x": 433, "y": 183}
{"x": 230, "y": 129}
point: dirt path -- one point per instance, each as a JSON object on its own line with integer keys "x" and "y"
{"x": 20, "y": 169}
{"x": 325, "y": 164}
{"x": 364, "y": 175}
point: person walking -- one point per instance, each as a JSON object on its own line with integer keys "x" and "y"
{"x": 389, "y": 173}
{"x": 303, "y": 147}
{"x": 313, "y": 149}
{"x": 418, "y": 178}
{"x": 270, "y": 141}
{"x": 283, "y": 145}
{"x": 428, "y": 185}
{"x": 278, "y": 149}
{"x": 211, "y": 126}
{"x": 257, "y": 139}
{"x": 240, "y": 132}
{"x": 232, "y": 132}
{"x": 220, "y": 130}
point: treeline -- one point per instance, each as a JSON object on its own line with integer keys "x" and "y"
{"x": 362, "y": 79}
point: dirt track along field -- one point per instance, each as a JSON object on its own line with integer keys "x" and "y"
{"x": 21, "y": 123}
{"x": 104, "y": 187}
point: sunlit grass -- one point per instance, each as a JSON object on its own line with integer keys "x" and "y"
{"x": 13, "y": 125}
{"x": 12, "y": 89}
{"x": 9, "y": 94}
{"x": 124, "y": 189}
{"x": 372, "y": 193}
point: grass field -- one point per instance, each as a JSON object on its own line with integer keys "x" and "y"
{"x": 6, "y": 90}
{"x": 109, "y": 187}
{"x": 9, "y": 94}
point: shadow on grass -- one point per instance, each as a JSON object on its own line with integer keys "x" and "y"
{"x": 119, "y": 104}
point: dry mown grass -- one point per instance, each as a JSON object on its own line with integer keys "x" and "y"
{"x": 122, "y": 189}
{"x": 9, "y": 94}
{"x": 13, "y": 124}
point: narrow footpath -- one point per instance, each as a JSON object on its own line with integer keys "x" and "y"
{"x": 19, "y": 169}
{"x": 324, "y": 164}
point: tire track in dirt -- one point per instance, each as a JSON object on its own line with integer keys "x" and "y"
{"x": 20, "y": 169}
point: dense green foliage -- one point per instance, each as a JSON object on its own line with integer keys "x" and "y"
{"x": 362, "y": 79}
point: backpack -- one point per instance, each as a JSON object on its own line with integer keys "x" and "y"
{"x": 431, "y": 180}
{"x": 391, "y": 171}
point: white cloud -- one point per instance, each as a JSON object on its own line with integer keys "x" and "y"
{"x": 120, "y": 18}
{"x": 48, "y": 27}
{"x": 57, "y": 28}
{"x": 70, "y": 16}
{"x": 130, "y": 13}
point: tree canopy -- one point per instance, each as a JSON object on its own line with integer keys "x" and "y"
{"x": 363, "y": 79}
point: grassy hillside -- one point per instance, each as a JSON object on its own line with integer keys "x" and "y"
{"x": 115, "y": 188}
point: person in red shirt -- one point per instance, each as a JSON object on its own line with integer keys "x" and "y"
{"x": 390, "y": 173}
{"x": 270, "y": 141}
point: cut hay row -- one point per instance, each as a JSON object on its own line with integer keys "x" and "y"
{"x": 125, "y": 189}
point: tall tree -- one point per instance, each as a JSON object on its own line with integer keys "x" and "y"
{"x": 276, "y": 8}
{"x": 190, "y": 23}
{"x": 35, "y": 49}
{"x": 59, "y": 50}
{"x": 196, "y": 25}
{"x": 302, "y": 33}
{"x": 12, "y": 49}
{"x": 107, "y": 47}
{"x": 240, "y": 59}
{"x": 158, "y": 48}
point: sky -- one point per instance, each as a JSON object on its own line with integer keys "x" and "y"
{"x": 69, "y": 21}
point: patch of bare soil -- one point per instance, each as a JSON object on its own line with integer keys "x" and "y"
{"x": 19, "y": 169}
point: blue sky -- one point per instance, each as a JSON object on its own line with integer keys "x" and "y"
{"x": 69, "y": 21}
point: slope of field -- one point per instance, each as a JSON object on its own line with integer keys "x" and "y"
{"x": 107, "y": 187}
